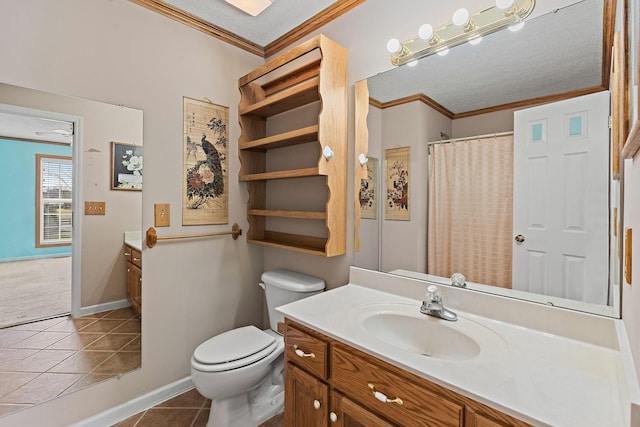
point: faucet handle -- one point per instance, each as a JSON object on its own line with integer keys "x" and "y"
{"x": 433, "y": 293}
{"x": 458, "y": 280}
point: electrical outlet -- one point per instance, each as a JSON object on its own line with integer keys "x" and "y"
{"x": 95, "y": 208}
{"x": 162, "y": 214}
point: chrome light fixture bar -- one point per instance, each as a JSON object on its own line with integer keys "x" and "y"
{"x": 465, "y": 27}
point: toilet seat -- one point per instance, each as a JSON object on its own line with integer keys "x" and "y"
{"x": 234, "y": 349}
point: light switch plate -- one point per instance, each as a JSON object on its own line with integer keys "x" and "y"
{"x": 162, "y": 214}
{"x": 95, "y": 208}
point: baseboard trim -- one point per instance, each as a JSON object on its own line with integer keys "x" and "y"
{"x": 139, "y": 404}
{"x": 99, "y": 308}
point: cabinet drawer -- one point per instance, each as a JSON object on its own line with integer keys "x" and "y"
{"x": 136, "y": 257}
{"x": 127, "y": 252}
{"x": 409, "y": 401}
{"x": 306, "y": 351}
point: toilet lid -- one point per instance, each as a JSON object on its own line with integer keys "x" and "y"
{"x": 235, "y": 348}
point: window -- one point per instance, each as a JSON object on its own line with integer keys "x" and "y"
{"x": 53, "y": 200}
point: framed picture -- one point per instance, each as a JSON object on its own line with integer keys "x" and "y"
{"x": 205, "y": 191}
{"x": 126, "y": 166}
{"x": 397, "y": 184}
{"x": 368, "y": 191}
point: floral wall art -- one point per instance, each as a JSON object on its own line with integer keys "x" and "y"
{"x": 368, "y": 191}
{"x": 205, "y": 167}
{"x": 126, "y": 166}
{"x": 397, "y": 183}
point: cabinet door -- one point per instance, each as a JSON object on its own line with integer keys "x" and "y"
{"x": 136, "y": 278}
{"x": 306, "y": 399}
{"x": 497, "y": 419}
{"x": 134, "y": 287}
{"x": 346, "y": 413}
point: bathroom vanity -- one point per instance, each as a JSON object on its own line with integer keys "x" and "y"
{"x": 329, "y": 380}
{"x": 362, "y": 354}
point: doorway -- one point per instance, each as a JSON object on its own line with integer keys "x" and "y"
{"x": 37, "y": 199}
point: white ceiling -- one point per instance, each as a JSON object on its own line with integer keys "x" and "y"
{"x": 35, "y": 128}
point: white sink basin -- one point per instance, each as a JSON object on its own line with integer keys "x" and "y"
{"x": 403, "y": 327}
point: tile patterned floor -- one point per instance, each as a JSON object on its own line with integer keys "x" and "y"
{"x": 189, "y": 409}
{"x": 41, "y": 360}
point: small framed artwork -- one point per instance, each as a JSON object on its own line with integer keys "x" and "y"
{"x": 368, "y": 191}
{"x": 397, "y": 184}
{"x": 126, "y": 166}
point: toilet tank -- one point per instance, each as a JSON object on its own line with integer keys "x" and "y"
{"x": 284, "y": 286}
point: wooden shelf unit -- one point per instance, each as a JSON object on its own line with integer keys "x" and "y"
{"x": 315, "y": 71}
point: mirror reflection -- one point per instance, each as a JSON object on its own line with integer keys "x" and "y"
{"x": 482, "y": 124}
{"x": 68, "y": 315}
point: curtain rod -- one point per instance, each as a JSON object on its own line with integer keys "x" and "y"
{"x": 467, "y": 138}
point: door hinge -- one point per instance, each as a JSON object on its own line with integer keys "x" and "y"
{"x": 610, "y": 122}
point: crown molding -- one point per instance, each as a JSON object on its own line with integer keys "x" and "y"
{"x": 329, "y": 14}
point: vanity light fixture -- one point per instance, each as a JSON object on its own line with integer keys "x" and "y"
{"x": 516, "y": 27}
{"x": 252, "y": 7}
{"x": 464, "y": 27}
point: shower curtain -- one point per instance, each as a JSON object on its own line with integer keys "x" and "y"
{"x": 470, "y": 209}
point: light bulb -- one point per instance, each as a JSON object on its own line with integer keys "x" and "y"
{"x": 394, "y": 46}
{"x": 516, "y": 27}
{"x": 412, "y": 63}
{"x": 461, "y": 17}
{"x": 476, "y": 40}
{"x": 504, "y": 4}
{"x": 425, "y": 32}
{"x": 443, "y": 52}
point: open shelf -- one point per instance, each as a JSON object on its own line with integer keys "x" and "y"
{"x": 298, "y": 136}
{"x": 301, "y": 94}
{"x": 297, "y": 242}
{"x": 288, "y": 214}
{"x": 292, "y": 173}
{"x": 314, "y": 71}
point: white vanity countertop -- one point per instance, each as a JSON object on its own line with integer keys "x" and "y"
{"x": 539, "y": 377}
{"x": 133, "y": 239}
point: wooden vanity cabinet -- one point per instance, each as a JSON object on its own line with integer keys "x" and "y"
{"x": 306, "y": 398}
{"x": 347, "y": 413}
{"x": 134, "y": 278}
{"x": 329, "y": 383}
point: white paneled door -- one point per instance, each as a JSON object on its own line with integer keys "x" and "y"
{"x": 560, "y": 183}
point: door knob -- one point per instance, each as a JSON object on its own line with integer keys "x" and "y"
{"x": 519, "y": 238}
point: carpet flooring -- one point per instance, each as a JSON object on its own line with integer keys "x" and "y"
{"x": 33, "y": 290}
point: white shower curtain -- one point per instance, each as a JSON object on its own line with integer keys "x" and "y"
{"x": 470, "y": 210}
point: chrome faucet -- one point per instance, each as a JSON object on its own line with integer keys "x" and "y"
{"x": 433, "y": 305}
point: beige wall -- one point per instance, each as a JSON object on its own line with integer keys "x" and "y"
{"x": 631, "y": 293}
{"x": 369, "y": 232}
{"x": 483, "y": 124}
{"x": 103, "y": 265}
{"x": 117, "y": 52}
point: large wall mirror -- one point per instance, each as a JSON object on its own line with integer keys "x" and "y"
{"x": 66, "y": 320}
{"x": 545, "y": 85}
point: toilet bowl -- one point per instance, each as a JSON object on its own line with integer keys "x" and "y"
{"x": 242, "y": 370}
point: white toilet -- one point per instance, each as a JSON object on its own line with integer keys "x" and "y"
{"x": 242, "y": 370}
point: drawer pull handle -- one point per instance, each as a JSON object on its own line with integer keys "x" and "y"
{"x": 316, "y": 404}
{"x": 333, "y": 417}
{"x": 383, "y": 397}
{"x": 301, "y": 353}
{"x": 127, "y": 254}
{"x": 136, "y": 259}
